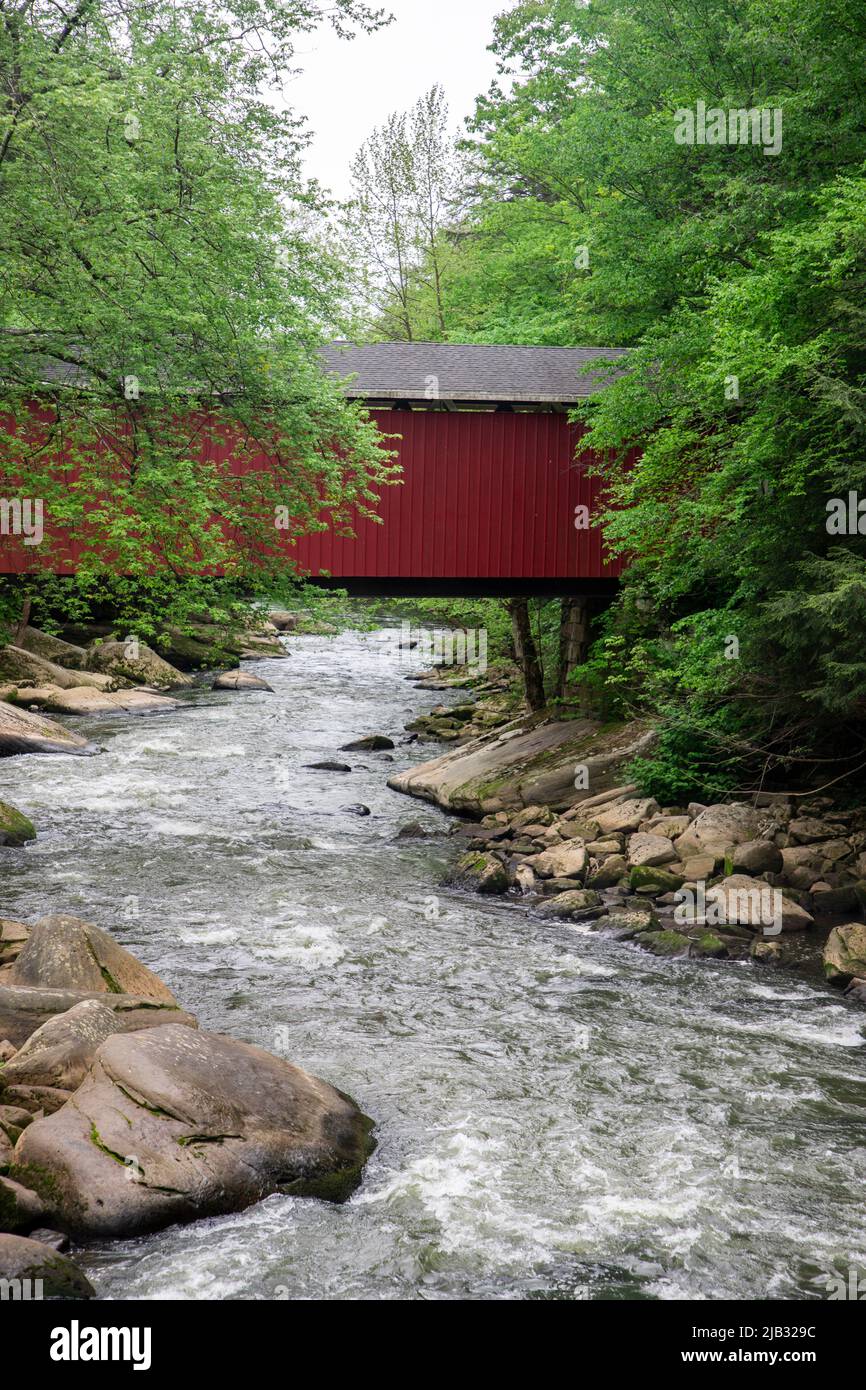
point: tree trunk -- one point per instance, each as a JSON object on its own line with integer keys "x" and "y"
{"x": 573, "y": 639}
{"x": 23, "y": 622}
{"x": 526, "y": 653}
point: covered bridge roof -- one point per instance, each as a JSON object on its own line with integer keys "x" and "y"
{"x": 478, "y": 372}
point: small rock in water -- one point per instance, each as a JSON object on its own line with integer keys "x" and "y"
{"x": 328, "y": 767}
{"x": 371, "y": 743}
{"x": 357, "y": 810}
{"x": 56, "y": 1239}
{"x": 413, "y": 831}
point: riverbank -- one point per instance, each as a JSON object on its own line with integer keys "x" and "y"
{"x": 489, "y": 1045}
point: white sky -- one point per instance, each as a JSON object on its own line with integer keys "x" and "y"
{"x": 349, "y": 86}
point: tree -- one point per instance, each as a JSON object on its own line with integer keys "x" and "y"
{"x": 406, "y": 179}
{"x": 735, "y": 271}
{"x": 161, "y": 293}
{"x": 526, "y": 653}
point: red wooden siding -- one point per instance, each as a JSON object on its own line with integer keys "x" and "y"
{"x": 484, "y": 496}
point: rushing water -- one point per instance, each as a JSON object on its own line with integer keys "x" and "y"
{"x": 558, "y": 1115}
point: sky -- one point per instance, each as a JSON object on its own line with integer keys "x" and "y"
{"x": 348, "y": 87}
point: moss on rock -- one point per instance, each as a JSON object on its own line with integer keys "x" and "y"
{"x": 15, "y": 828}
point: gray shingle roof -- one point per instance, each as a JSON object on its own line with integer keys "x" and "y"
{"x": 468, "y": 372}
{"x": 426, "y": 372}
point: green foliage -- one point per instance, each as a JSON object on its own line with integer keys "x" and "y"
{"x": 155, "y": 225}
{"x": 737, "y": 279}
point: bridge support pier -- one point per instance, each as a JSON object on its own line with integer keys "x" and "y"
{"x": 573, "y": 638}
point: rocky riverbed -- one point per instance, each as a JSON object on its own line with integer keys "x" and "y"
{"x": 695, "y": 1119}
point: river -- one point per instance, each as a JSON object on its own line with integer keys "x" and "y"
{"x": 558, "y": 1116}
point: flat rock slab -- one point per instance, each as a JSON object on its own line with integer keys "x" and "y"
{"x": 23, "y": 1010}
{"x": 83, "y": 700}
{"x": 240, "y": 681}
{"x": 63, "y": 952}
{"x": 43, "y": 1272}
{"x": 19, "y": 665}
{"x": 524, "y": 763}
{"x": 172, "y": 1125}
{"x": 23, "y": 732}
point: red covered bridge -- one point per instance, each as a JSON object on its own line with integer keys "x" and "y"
{"x": 493, "y": 476}
{"x": 495, "y": 496}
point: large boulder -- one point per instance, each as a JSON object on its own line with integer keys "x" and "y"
{"x": 37, "y": 1271}
{"x": 608, "y": 873}
{"x": 718, "y": 828}
{"x": 63, "y": 952}
{"x": 625, "y": 815}
{"x": 53, "y": 649}
{"x": 845, "y": 954}
{"x": 801, "y": 866}
{"x": 23, "y": 732}
{"x": 653, "y": 879}
{"x": 566, "y": 860}
{"x": 668, "y": 826}
{"x": 172, "y": 1125}
{"x": 28, "y": 669}
{"x": 283, "y": 620}
{"x": 571, "y": 905}
{"x": 480, "y": 873}
{"x": 136, "y": 662}
{"x": 665, "y": 943}
{"x": 651, "y": 849}
{"x": 61, "y": 1051}
{"x": 749, "y": 902}
{"x": 15, "y": 828}
{"x": 262, "y": 646}
{"x": 756, "y": 857}
{"x": 23, "y": 1010}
